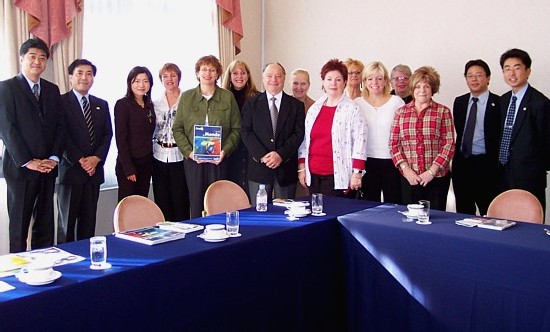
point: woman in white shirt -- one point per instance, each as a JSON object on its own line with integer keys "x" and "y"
{"x": 169, "y": 182}
{"x": 379, "y": 107}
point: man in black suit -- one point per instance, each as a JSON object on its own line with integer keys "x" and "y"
{"x": 524, "y": 153}
{"x": 89, "y": 134}
{"x": 272, "y": 129}
{"x": 32, "y": 128}
{"x": 475, "y": 162}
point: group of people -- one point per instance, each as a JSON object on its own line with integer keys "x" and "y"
{"x": 360, "y": 139}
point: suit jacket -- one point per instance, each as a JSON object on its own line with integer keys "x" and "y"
{"x": 78, "y": 139}
{"x": 257, "y": 136}
{"x": 491, "y": 126}
{"x": 29, "y": 129}
{"x": 530, "y": 141}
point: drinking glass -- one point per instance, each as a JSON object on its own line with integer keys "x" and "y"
{"x": 98, "y": 251}
{"x": 424, "y": 213}
{"x": 232, "y": 223}
{"x": 317, "y": 204}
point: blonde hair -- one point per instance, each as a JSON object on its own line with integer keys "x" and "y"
{"x": 374, "y": 68}
{"x": 300, "y": 71}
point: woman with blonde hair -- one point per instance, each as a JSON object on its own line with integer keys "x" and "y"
{"x": 355, "y": 72}
{"x": 379, "y": 107}
{"x": 299, "y": 83}
{"x": 238, "y": 80}
{"x": 422, "y": 142}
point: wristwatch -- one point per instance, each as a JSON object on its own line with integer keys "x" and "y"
{"x": 358, "y": 171}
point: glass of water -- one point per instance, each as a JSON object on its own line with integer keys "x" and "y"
{"x": 424, "y": 213}
{"x": 317, "y": 204}
{"x": 232, "y": 223}
{"x": 98, "y": 252}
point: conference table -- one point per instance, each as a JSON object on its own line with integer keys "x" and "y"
{"x": 402, "y": 276}
{"x": 280, "y": 275}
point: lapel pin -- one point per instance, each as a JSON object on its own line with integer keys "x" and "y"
{"x": 98, "y": 108}
{"x": 493, "y": 104}
{"x": 525, "y": 108}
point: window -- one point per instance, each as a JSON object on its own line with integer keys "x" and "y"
{"x": 122, "y": 34}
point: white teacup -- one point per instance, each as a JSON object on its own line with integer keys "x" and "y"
{"x": 38, "y": 271}
{"x": 414, "y": 209}
{"x": 215, "y": 231}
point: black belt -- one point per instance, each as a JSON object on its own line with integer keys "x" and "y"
{"x": 167, "y": 145}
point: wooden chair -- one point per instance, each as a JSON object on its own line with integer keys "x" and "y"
{"x": 223, "y": 196}
{"x": 134, "y": 212}
{"x": 516, "y": 204}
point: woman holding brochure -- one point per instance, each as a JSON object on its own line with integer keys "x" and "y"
{"x": 206, "y": 109}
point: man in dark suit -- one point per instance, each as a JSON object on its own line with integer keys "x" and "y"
{"x": 272, "y": 129}
{"x": 32, "y": 128}
{"x": 89, "y": 134}
{"x": 524, "y": 153}
{"x": 476, "y": 118}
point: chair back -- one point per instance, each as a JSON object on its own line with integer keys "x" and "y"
{"x": 223, "y": 196}
{"x": 134, "y": 212}
{"x": 516, "y": 204}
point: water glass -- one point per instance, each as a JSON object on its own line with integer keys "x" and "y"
{"x": 98, "y": 251}
{"x": 424, "y": 213}
{"x": 232, "y": 223}
{"x": 317, "y": 204}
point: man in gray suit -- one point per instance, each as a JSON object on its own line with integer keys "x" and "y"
{"x": 89, "y": 134}
{"x": 32, "y": 128}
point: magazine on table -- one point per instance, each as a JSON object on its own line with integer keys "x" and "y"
{"x": 180, "y": 226}
{"x": 207, "y": 142}
{"x": 150, "y": 235}
{"x": 490, "y": 223}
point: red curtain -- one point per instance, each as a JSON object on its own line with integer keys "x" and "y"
{"x": 50, "y": 20}
{"x": 231, "y": 17}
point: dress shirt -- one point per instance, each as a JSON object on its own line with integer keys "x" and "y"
{"x": 163, "y": 131}
{"x": 79, "y": 98}
{"x": 519, "y": 95}
{"x": 278, "y": 98}
{"x": 379, "y": 122}
{"x": 478, "y": 142}
{"x": 422, "y": 139}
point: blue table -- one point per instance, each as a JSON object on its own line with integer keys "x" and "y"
{"x": 279, "y": 276}
{"x": 444, "y": 277}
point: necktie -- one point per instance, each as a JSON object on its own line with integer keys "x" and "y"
{"x": 504, "y": 152}
{"x": 35, "y": 92}
{"x": 88, "y": 118}
{"x": 468, "y": 138}
{"x": 274, "y": 114}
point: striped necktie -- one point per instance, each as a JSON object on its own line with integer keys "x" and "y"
{"x": 274, "y": 114}
{"x": 504, "y": 152}
{"x": 88, "y": 118}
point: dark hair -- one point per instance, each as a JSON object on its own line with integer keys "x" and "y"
{"x": 132, "y": 77}
{"x": 170, "y": 67}
{"x": 274, "y": 63}
{"x": 34, "y": 43}
{"x": 516, "y": 53}
{"x": 335, "y": 64}
{"x": 480, "y": 63}
{"x": 81, "y": 62}
{"x": 209, "y": 60}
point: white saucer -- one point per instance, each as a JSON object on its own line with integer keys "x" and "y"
{"x": 408, "y": 214}
{"x": 33, "y": 282}
{"x": 298, "y": 214}
{"x": 424, "y": 222}
{"x": 201, "y": 235}
{"x": 319, "y": 214}
{"x": 234, "y": 235}
{"x": 101, "y": 267}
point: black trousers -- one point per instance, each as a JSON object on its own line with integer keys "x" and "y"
{"x": 77, "y": 206}
{"x": 381, "y": 176}
{"x": 126, "y": 187}
{"x": 26, "y": 199}
{"x": 324, "y": 184}
{"x": 170, "y": 189}
{"x": 474, "y": 183}
{"x": 436, "y": 192}
{"x": 199, "y": 177}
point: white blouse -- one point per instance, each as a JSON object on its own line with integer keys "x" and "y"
{"x": 163, "y": 131}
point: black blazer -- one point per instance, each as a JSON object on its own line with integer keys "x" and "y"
{"x": 29, "y": 129}
{"x": 78, "y": 139}
{"x": 530, "y": 142}
{"x": 257, "y": 136}
{"x": 491, "y": 126}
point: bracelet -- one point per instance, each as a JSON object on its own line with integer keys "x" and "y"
{"x": 432, "y": 173}
{"x": 403, "y": 166}
{"x": 301, "y": 170}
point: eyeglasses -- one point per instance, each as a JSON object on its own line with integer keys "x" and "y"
{"x": 358, "y": 72}
{"x": 477, "y": 76}
{"x": 400, "y": 79}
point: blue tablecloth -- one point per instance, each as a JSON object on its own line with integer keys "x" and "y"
{"x": 279, "y": 275}
{"x": 444, "y": 277}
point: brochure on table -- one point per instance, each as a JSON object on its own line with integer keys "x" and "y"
{"x": 150, "y": 235}
{"x": 490, "y": 223}
{"x": 207, "y": 143}
{"x": 11, "y": 263}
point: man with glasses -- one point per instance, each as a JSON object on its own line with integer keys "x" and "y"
{"x": 476, "y": 118}
{"x": 524, "y": 152}
{"x": 400, "y": 82}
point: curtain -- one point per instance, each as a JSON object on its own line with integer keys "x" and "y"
{"x": 14, "y": 32}
{"x": 66, "y": 51}
{"x": 230, "y": 29}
